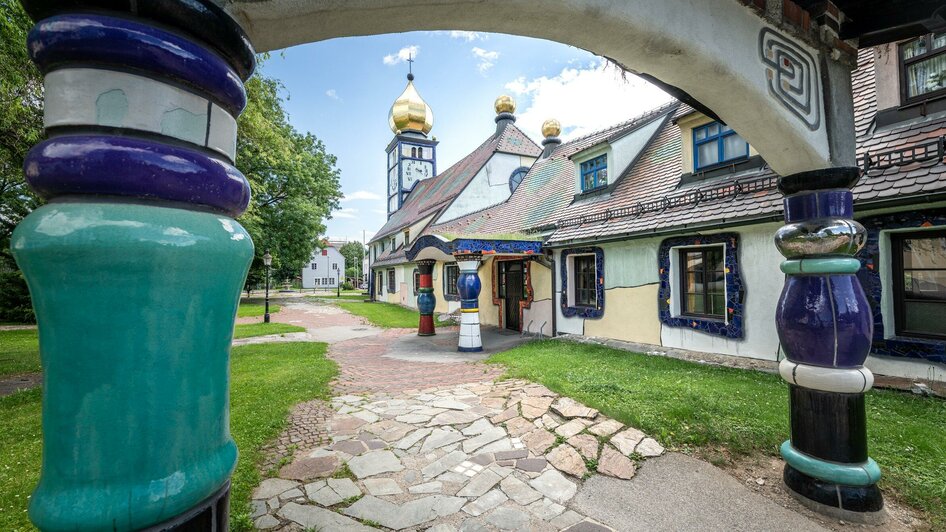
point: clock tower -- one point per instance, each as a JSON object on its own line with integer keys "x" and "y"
{"x": 412, "y": 157}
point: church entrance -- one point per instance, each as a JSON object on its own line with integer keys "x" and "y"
{"x": 511, "y": 282}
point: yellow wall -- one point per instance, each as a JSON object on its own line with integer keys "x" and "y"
{"x": 541, "y": 281}
{"x": 441, "y": 307}
{"x": 630, "y": 314}
{"x": 489, "y": 313}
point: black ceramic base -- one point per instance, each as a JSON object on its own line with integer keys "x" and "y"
{"x": 211, "y": 515}
{"x": 863, "y": 504}
{"x": 828, "y": 425}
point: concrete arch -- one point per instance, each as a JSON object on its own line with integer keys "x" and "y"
{"x": 771, "y": 87}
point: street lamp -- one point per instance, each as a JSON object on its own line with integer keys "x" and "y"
{"x": 267, "y": 261}
{"x": 338, "y": 283}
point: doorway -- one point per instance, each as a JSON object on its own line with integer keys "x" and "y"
{"x": 511, "y": 281}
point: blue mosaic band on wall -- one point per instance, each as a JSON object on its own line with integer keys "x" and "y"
{"x": 733, "y": 326}
{"x": 872, "y": 268}
{"x": 465, "y": 245}
{"x": 597, "y": 311}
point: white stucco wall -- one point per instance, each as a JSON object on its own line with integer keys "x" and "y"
{"x": 490, "y": 186}
{"x": 323, "y": 269}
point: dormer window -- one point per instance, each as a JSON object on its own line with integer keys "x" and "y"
{"x": 715, "y": 144}
{"x": 594, "y": 173}
{"x": 923, "y": 67}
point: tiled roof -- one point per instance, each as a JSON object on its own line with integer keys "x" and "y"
{"x": 545, "y": 191}
{"x": 431, "y": 195}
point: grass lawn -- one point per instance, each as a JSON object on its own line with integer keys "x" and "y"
{"x": 19, "y": 352}
{"x": 387, "y": 315}
{"x": 266, "y": 380}
{"x": 246, "y": 330}
{"x": 250, "y": 310}
{"x": 688, "y": 405}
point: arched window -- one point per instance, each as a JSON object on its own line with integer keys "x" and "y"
{"x": 515, "y": 179}
{"x": 420, "y": 152}
{"x": 413, "y": 152}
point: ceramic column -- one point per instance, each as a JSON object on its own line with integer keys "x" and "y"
{"x": 135, "y": 265}
{"x": 468, "y": 286}
{"x": 825, "y": 326}
{"x": 426, "y": 301}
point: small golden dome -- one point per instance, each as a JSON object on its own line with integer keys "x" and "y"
{"x": 505, "y": 104}
{"x": 410, "y": 112}
{"x": 551, "y": 128}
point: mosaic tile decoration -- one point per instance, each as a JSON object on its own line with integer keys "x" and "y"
{"x": 583, "y": 312}
{"x": 735, "y": 288}
{"x": 869, "y": 275}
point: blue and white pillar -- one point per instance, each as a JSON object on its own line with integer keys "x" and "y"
{"x": 468, "y": 286}
{"x": 825, "y": 325}
{"x": 136, "y": 263}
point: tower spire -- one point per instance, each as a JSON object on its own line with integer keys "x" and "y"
{"x": 410, "y": 65}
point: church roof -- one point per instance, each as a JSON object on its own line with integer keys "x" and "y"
{"x": 431, "y": 196}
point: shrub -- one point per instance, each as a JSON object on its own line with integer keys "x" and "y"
{"x": 15, "y": 303}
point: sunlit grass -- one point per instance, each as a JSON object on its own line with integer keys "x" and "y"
{"x": 247, "y": 330}
{"x": 387, "y": 315}
{"x": 250, "y": 310}
{"x": 19, "y": 352}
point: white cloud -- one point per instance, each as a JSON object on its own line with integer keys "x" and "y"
{"x": 402, "y": 55}
{"x": 332, "y": 94}
{"x": 485, "y": 58}
{"x": 361, "y": 195}
{"x": 583, "y": 99}
{"x": 379, "y": 211}
{"x": 468, "y": 36}
{"x": 345, "y": 213}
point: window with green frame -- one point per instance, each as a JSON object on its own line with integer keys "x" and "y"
{"x": 594, "y": 173}
{"x": 703, "y": 282}
{"x": 715, "y": 144}
{"x": 923, "y": 67}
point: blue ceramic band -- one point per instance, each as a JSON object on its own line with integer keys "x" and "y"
{"x": 863, "y": 474}
{"x": 837, "y": 203}
{"x": 132, "y": 46}
{"x": 125, "y": 166}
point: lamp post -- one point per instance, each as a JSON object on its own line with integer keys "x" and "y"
{"x": 338, "y": 284}
{"x": 267, "y": 261}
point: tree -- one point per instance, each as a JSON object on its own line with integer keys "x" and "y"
{"x": 294, "y": 181}
{"x": 353, "y": 252}
{"x": 21, "y": 127}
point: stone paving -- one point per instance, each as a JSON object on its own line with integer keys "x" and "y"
{"x": 508, "y": 455}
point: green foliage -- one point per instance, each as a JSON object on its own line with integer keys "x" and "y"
{"x": 386, "y": 315}
{"x": 294, "y": 181}
{"x": 19, "y": 352}
{"x": 15, "y": 304}
{"x": 354, "y": 253}
{"x": 688, "y": 405}
{"x": 247, "y": 330}
{"x": 250, "y": 310}
{"x": 347, "y": 286}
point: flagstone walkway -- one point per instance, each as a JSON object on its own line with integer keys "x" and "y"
{"x": 412, "y": 444}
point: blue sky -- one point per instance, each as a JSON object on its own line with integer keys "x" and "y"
{"x": 341, "y": 90}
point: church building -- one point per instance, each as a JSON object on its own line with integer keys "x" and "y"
{"x": 659, "y": 230}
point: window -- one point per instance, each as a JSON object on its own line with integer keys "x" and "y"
{"x": 516, "y": 178}
{"x": 594, "y": 173}
{"x": 715, "y": 144}
{"x": 919, "y": 271}
{"x": 413, "y": 152}
{"x": 451, "y": 272}
{"x": 703, "y": 282}
{"x": 393, "y": 244}
{"x": 416, "y": 281}
{"x": 314, "y": 266}
{"x": 334, "y": 265}
{"x": 923, "y": 67}
{"x": 407, "y": 237}
{"x": 324, "y": 252}
{"x": 420, "y": 152}
{"x": 391, "y": 288}
{"x": 585, "y": 281}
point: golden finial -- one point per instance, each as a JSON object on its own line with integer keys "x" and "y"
{"x": 551, "y": 128}
{"x": 505, "y": 104}
{"x": 410, "y": 112}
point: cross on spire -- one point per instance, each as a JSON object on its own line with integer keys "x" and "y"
{"x": 410, "y": 64}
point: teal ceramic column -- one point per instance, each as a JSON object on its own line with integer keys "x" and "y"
{"x": 135, "y": 265}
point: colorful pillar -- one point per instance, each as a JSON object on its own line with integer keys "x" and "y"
{"x": 825, "y": 326}
{"x": 426, "y": 301}
{"x": 468, "y": 286}
{"x": 135, "y": 265}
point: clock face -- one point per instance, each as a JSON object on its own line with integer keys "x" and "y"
{"x": 414, "y": 171}
{"x": 392, "y": 181}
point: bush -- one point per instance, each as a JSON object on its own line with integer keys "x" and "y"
{"x": 347, "y": 286}
{"x": 15, "y": 303}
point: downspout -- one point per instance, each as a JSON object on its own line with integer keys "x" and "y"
{"x": 554, "y": 299}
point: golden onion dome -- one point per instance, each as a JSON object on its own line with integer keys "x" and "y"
{"x": 551, "y": 128}
{"x": 410, "y": 112}
{"x": 505, "y": 104}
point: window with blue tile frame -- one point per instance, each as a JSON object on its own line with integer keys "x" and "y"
{"x": 582, "y": 282}
{"x": 715, "y": 144}
{"x": 594, "y": 173}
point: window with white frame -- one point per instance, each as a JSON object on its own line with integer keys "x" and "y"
{"x": 584, "y": 279}
{"x": 582, "y": 282}
{"x": 923, "y": 67}
{"x": 314, "y": 266}
{"x": 391, "y": 282}
{"x": 451, "y": 272}
{"x": 715, "y": 144}
{"x": 702, "y": 283}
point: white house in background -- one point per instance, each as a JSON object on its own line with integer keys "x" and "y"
{"x": 326, "y": 268}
